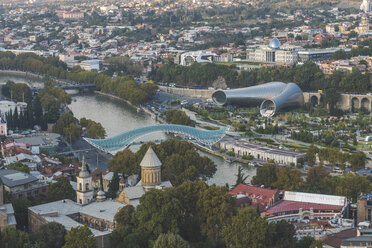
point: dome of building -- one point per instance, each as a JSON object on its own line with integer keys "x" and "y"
{"x": 150, "y": 159}
{"x": 101, "y": 196}
{"x": 274, "y": 43}
{"x": 84, "y": 171}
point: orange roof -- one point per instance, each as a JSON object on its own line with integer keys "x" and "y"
{"x": 257, "y": 195}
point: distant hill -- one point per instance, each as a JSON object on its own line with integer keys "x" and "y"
{"x": 308, "y": 3}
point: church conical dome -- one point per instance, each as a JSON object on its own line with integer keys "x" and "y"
{"x": 150, "y": 159}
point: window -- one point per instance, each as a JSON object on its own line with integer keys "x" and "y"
{"x": 80, "y": 201}
{"x": 87, "y": 186}
{"x": 80, "y": 188}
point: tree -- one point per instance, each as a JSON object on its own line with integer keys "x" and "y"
{"x": 288, "y": 179}
{"x": 311, "y": 155}
{"x": 128, "y": 237}
{"x": 181, "y": 162}
{"x": 266, "y": 175}
{"x": 12, "y": 238}
{"x": 357, "y": 160}
{"x": 72, "y": 132}
{"x": 158, "y": 213}
{"x": 170, "y": 240}
{"x": 94, "y": 129}
{"x": 113, "y": 186}
{"x": 64, "y": 121}
{"x": 20, "y": 206}
{"x": 125, "y": 216}
{"x": 215, "y": 209}
{"x": 60, "y": 190}
{"x": 283, "y": 234}
{"x": 305, "y": 242}
{"x": 340, "y": 54}
{"x": 80, "y": 237}
{"x": 51, "y": 235}
{"x": 351, "y": 185}
{"x": 240, "y": 177}
{"x": 352, "y": 34}
{"x": 124, "y": 162}
{"x": 247, "y": 229}
{"x": 178, "y": 117}
{"x": 19, "y": 167}
{"x": 317, "y": 180}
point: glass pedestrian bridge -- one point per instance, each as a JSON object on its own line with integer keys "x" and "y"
{"x": 124, "y": 140}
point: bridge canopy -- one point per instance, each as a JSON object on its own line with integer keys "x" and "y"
{"x": 123, "y": 140}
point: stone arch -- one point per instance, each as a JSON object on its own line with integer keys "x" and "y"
{"x": 355, "y": 102}
{"x": 80, "y": 187}
{"x": 365, "y": 103}
{"x": 314, "y": 100}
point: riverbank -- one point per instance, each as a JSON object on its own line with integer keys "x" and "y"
{"x": 141, "y": 108}
{"x": 162, "y": 121}
{"x": 21, "y": 74}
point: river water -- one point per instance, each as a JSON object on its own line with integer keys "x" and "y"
{"x": 117, "y": 117}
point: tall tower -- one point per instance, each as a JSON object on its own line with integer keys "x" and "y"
{"x": 150, "y": 170}
{"x": 84, "y": 193}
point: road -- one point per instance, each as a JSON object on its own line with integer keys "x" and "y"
{"x": 93, "y": 157}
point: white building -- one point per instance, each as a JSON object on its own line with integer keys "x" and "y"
{"x": 188, "y": 58}
{"x": 366, "y": 6}
{"x": 84, "y": 191}
{"x": 98, "y": 214}
{"x": 262, "y": 152}
{"x": 273, "y": 53}
{"x": 298, "y": 206}
{"x": 89, "y": 65}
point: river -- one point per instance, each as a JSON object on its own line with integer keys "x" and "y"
{"x": 117, "y": 117}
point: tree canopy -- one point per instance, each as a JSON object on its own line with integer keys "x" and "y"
{"x": 80, "y": 237}
{"x": 51, "y": 235}
{"x": 180, "y": 161}
{"x": 19, "y": 167}
{"x": 178, "y": 117}
{"x": 170, "y": 240}
{"x": 318, "y": 180}
{"x": 60, "y": 190}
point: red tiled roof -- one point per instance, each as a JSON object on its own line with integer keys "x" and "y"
{"x": 256, "y": 194}
{"x": 288, "y": 206}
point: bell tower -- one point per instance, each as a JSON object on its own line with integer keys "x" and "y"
{"x": 84, "y": 193}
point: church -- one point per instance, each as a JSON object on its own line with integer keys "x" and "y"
{"x": 97, "y": 213}
{"x": 150, "y": 179}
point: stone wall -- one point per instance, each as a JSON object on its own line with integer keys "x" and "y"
{"x": 194, "y": 93}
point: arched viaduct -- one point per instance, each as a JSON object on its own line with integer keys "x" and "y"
{"x": 345, "y": 101}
